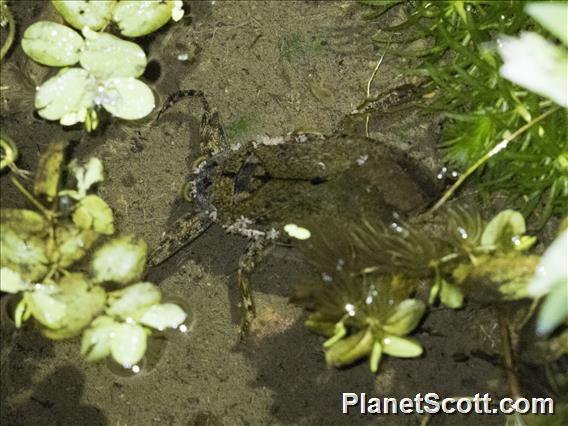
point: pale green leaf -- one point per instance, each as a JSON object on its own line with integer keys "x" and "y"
{"x": 138, "y": 18}
{"x": 504, "y": 230}
{"x": 405, "y": 317}
{"x": 45, "y": 308}
{"x": 339, "y": 332}
{"x": 376, "y": 355}
{"x": 83, "y": 302}
{"x": 133, "y": 301}
{"x": 84, "y": 13}
{"x": 551, "y": 15}
{"x": 97, "y": 339}
{"x": 66, "y": 96}
{"x": 451, "y": 295}
{"x": 23, "y": 235}
{"x": 320, "y": 324}
{"x": 121, "y": 260}
{"x": 128, "y": 344}
{"x": 127, "y": 98}
{"x": 87, "y": 174}
{"x": 92, "y": 212}
{"x": 166, "y": 315}
{"x": 12, "y": 282}
{"x": 52, "y": 44}
{"x": 401, "y": 347}
{"x": 73, "y": 243}
{"x": 107, "y": 56}
{"x": 350, "y": 349}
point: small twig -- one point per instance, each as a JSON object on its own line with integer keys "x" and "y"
{"x": 507, "y": 354}
{"x": 373, "y": 75}
{"x": 369, "y": 91}
{"x": 494, "y": 151}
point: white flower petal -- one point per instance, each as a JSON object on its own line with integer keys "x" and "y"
{"x": 551, "y": 15}
{"x": 552, "y": 267}
{"x": 536, "y": 64}
{"x": 297, "y": 232}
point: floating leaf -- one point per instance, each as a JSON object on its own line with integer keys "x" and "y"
{"x": 87, "y": 175}
{"x": 133, "y": 301}
{"x": 107, "y": 56}
{"x": 82, "y": 302}
{"x": 451, "y": 295}
{"x": 138, "y": 18}
{"x": 166, "y": 315}
{"x": 11, "y": 281}
{"x": 121, "y": 260}
{"x": 128, "y": 344}
{"x": 23, "y": 235}
{"x": 349, "y": 350}
{"x": 97, "y": 339}
{"x": 52, "y": 44}
{"x": 504, "y": 230}
{"x": 49, "y": 311}
{"x": 84, "y": 13}
{"x": 320, "y": 324}
{"x": 66, "y": 96}
{"x": 92, "y": 212}
{"x": 127, "y": 98}
{"x": 405, "y": 318}
{"x": 401, "y": 347}
{"x": 72, "y": 244}
{"x": 48, "y": 170}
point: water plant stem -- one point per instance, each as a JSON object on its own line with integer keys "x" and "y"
{"x": 47, "y": 213}
{"x": 6, "y": 14}
{"x": 494, "y": 151}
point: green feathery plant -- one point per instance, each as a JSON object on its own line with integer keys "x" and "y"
{"x": 461, "y": 62}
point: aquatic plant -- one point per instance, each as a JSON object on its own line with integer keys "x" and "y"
{"x": 6, "y": 21}
{"x": 43, "y": 257}
{"x": 364, "y": 316}
{"x": 109, "y": 66}
{"x": 486, "y": 112}
{"x": 134, "y": 18}
{"x": 107, "y": 77}
{"x": 370, "y": 274}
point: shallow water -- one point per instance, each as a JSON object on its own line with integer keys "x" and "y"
{"x": 269, "y": 68}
